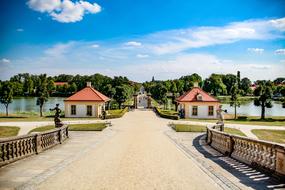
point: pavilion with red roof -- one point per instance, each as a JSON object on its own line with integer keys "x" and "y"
{"x": 87, "y": 102}
{"x": 196, "y": 103}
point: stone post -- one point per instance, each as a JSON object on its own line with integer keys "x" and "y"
{"x": 135, "y": 101}
{"x": 148, "y": 100}
{"x": 38, "y": 143}
{"x": 280, "y": 160}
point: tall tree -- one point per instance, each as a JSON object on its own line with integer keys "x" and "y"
{"x": 121, "y": 95}
{"x": 6, "y": 94}
{"x": 42, "y": 92}
{"x": 245, "y": 86}
{"x": 238, "y": 79}
{"x": 264, "y": 93}
{"x": 235, "y": 98}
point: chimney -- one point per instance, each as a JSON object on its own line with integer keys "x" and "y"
{"x": 88, "y": 84}
{"x": 196, "y": 84}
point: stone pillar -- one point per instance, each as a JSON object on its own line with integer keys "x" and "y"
{"x": 148, "y": 100}
{"x": 280, "y": 160}
{"x": 135, "y": 101}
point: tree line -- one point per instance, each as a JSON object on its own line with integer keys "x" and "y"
{"x": 118, "y": 88}
{"x": 220, "y": 85}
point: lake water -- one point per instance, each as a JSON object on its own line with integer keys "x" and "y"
{"x": 28, "y": 104}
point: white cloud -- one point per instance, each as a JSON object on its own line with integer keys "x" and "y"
{"x": 5, "y": 60}
{"x": 65, "y": 11}
{"x": 95, "y": 45}
{"x": 279, "y": 23}
{"x": 259, "y": 66}
{"x": 59, "y": 49}
{"x": 173, "y": 41}
{"x": 256, "y": 50}
{"x": 142, "y": 55}
{"x": 44, "y": 5}
{"x": 280, "y": 51}
{"x": 20, "y": 30}
{"x": 133, "y": 43}
{"x": 282, "y": 61}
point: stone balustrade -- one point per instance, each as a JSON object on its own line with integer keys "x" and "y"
{"x": 263, "y": 154}
{"x": 15, "y": 148}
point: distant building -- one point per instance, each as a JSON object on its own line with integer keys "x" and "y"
{"x": 197, "y": 103}
{"x": 87, "y": 102}
{"x": 60, "y": 83}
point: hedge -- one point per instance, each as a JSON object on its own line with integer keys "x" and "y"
{"x": 121, "y": 114}
{"x": 163, "y": 115}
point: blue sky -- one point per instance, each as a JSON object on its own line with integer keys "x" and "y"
{"x": 141, "y": 39}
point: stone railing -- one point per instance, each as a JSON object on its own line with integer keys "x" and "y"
{"x": 263, "y": 154}
{"x": 15, "y": 148}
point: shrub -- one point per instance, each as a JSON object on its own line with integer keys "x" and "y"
{"x": 242, "y": 117}
{"x": 116, "y": 113}
{"x": 165, "y": 115}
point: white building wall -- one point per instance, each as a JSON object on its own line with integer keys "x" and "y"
{"x": 202, "y": 112}
{"x": 81, "y": 110}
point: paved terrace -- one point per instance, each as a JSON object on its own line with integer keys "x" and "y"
{"x": 138, "y": 152}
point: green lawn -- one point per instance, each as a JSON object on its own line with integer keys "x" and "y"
{"x": 169, "y": 112}
{"x": 270, "y": 135}
{"x": 6, "y": 131}
{"x": 200, "y": 128}
{"x": 251, "y": 120}
{"x": 75, "y": 127}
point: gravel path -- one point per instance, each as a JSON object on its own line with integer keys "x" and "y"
{"x": 139, "y": 156}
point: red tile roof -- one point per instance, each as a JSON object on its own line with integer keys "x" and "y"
{"x": 191, "y": 96}
{"x": 60, "y": 83}
{"x": 88, "y": 94}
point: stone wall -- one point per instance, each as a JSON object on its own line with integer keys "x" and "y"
{"x": 262, "y": 154}
{"x": 15, "y": 148}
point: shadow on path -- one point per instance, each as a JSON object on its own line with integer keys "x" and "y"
{"x": 247, "y": 175}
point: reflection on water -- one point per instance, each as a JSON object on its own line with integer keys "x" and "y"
{"x": 25, "y": 104}
{"x": 29, "y": 104}
{"x": 248, "y": 108}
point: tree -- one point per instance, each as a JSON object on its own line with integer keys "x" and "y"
{"x": 235, "y": 98}
{"x": 238, "y": 79}
{"x": 121, "y": 94}
{"x": 215, "y": 85}
{"x": 6, "y": 94}
{"x": 264, "y": 93}
{"x": 229, "y": 80}
{"x": 245, "y": 86}
{"x": 42, "y": 92}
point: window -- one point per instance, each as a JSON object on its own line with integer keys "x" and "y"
{"x": 199, "y": 97}
{"x": 73, "y": 109}
{"x": 89, "y": 110}
{"x": 195, "y": 110}
{"x": 211, "y": 111}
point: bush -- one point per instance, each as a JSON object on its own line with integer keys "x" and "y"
{"x": 242, "y": 118}
{"x": 164, "y": 115}
{"x": 112, "y": 114}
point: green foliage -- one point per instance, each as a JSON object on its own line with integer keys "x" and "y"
{"x": 245, "y": 86}
{"x": 42, "y": 91}
{"x": 264, "y": 95}
{"x": 168, "y": 115}
{"x": 116, "y": 113}
{"x": 6, "y": 94}
{"x": 235, "y": 98}
{"x": 123, "y": 93}
{"x": 215, "y": 85}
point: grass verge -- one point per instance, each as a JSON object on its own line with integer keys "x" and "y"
{"x": 116, "y": 113}
{"x": 6, "y": 131}
{"x": 74, "y": 127}
{"x": 169, "y": 114}
{"x": 200, "y": 128}
{"x": 270, "y": 135}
